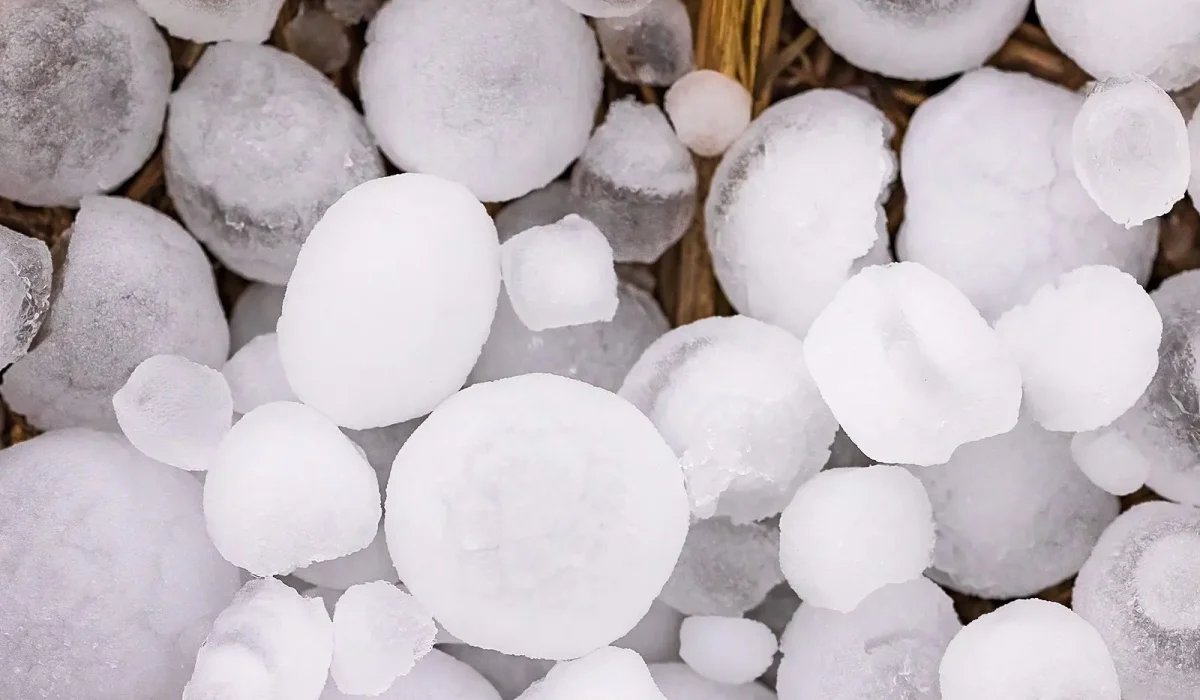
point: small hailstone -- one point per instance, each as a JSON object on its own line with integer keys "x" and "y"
{"x": 25, "y": 271}
{"x": 255, "y": 375}
{"x": 849, "y": 532}
{"x": 785, "y": 231}
{"x": 510, "y": 674}
{"x": 371, "y": 563}
{"x": 255, "y": 313}
{"x": 1110, "y": 460}
{"x": 1086, "y": 345}
{"x": 604, "y": 674}
{"x": 319, "y": 38}
{"x": 433, "y": 274}
{"x": 909, "y": 368}
{"x": 724, "y": 569}
{"x": 709, "y": 111}
{"x": 656, "y": 636}
{"x": 379, "y": 634}
{"x": 1028, "y": 650}
{"x": 733, "y": 398}
{"x": 541, "y": 207}
{"x": 636, "y": 182}
{"x": 730, "y": 650}
{"x": 437, "y": 675}
{"x": 175, "y": 411}
{"x": 215, "y": 20}
{"x": 678, "y": 682}
{"x": 652, "y": 46}
{"x": 536, "y": 515}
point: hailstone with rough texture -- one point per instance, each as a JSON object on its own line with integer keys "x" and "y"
{"x": 724, "y": 568}
{"x": 437, "y": 675}
{"x": 379, "y": 634}
{"x": 653, "y": 46}
{"x": 730, "y": 650}
{"x": 709, "y": 111}
{"x": 204, "y": 21}
{"x": 678, "y": 682}
{"x": 1110, "y": 460}
{"x": 24, "y": 292}
{"x": 255, "y": 313}
{"x": 604, "y": 674}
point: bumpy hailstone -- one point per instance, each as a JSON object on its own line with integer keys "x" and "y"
{"x": 110, "y": 580}
{"x": 653, "y": 46}
{"x": 287, "y": 489}
{"x": 994, "y": 205}
{"x": 849, "y": 532}
{"x": 601, "y": 675}
{"x": 1129, "y": 145}
{"x": 379, "y": 634}
{"x": 371, "y": 563}
{"x": 607, "y": 8}
{"x": 536, "y": 515}
{"x": 785, "y": 227}
{"x": 433, "y": 275}
{"x": 1110, "y": 460}
{"x": 678, "y": 682}
{"x": 1087, "y": 347}
{"x": 731, "y": 650}
{"x": 207, "y": 21}
{"x": 909, "y": 368}
{"x": 463, "y": 89}
{"x": 255, "y": 313}
{"x": 734, "y": 400}
{"x": 437, "y": 675}
{"x": 1028, "y": 650}
{"x": 175, "y": 411}
{"x": 25, "y": 270}
{"x": 724, "y": 569}
{"x": 83, "y": 91}
{"x": 709, "y": 111}
{"x": 133, "y": 284}
{"x": 259, "y": 145}
{"x": 255, "y": 375}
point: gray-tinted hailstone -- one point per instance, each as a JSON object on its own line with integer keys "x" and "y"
{"x": 24, "y": 292}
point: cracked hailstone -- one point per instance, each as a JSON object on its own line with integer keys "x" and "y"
{"x": 436, "y": 675}
{"x": 909, "y": 368}
{"x": 709, "y": 111}
{"x": 536, "y": 515}
{"x": 653, "y": 46}
{"x": 724, "y": 569}
{"x": 25, "y": 271}
{"x": 994, "y": 205}
{"x": 206, "y": 21}
{"x": 603, "y": 674}
{"x": 379, "y": 634}
{"x": 786, "y": 231}
{"x": 676, "y": 681}
{"x": 730, "y": 650}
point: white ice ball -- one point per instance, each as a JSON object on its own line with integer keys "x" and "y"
{"x": 709, "y": 111}
{"x": 730, "y": 650}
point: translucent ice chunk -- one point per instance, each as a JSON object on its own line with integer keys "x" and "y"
{"x": 541, "y": 207}
{"x": 607, "y": 8}
{"x": 652, "y": 46}
{"x": 730, "y": 650}
{"x": 215, "y": 20}
{"x": 255, "y": 375}
{"x": 510, "y": 674}
{"x": 25, "y": 271}
{"x": 724, "y": 569}
{"x": 709, "y": 111}
{"x": 379, "y": 634}
{"x": 1110, "y": 460}
{"x": 437, "y": 675}
{"x": 372, "y": 563}
{"x": 678, "y": 682}
{"x": 606, "y": 673}
{"x": 255, "y": 312}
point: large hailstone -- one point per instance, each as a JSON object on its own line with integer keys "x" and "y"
{"x": 498, "y": 95}
{"x": 25, "y": 271}
{"x": 536, "y": 515}
{"x": 83, "y": 91}
{"x": 206, "y": 21}
{"x": 110, "y": 582}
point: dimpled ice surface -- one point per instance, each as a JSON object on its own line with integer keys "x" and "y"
{"x": 787, "y": 230}
{"x": 255, "y": 313}
{"x": 433, "y": 272}
{"x": 1111, "y": 460}
{"x": 653, "y": 46}
{"x": 110, "y": 581}
{"x": 536, "y": 515}
{"x": 730, "y": 650}
{"x": 132, "y": 284}
{"x": 678, "y": 682}
{"x": 709, "y": 111}
{"x": 538, "y": 208}
{"x": 463, "y": 88}
{"x": 255, "y": 375}
{"x": 511, "y": 675}
{"x": 379, "y": 634}
{"x": 636, "y": 182}
{"x": 994, "y": 205}
{"x": 601, "y": 675}
{"x": 259, "y": 145}
{"x": 206, "y": 21}
{"x": 371, "y": 563}
{"x": 83, "y": 91}
{"x": 25, "y": 270}
{"x": 437, "y": 675}
{"x": 287, "y": 489}
{"x": 269, "y": 644}
{"x": 1028, "y": 650}
{"x": 733, "y": 398}
{"x": 909, "y": 368}
{"x": 1087, "y": 347}
{"x": 607, "y": 8}
{"x": 724, "y": 569}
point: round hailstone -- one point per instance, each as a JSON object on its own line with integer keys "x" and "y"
{"x": 374, "y": 340}
{"x": 605, "y": 673}
{"x": 1028, "y": 650}
{"x": 259, "y": 145}
{"x": 994, "y": 205}
{"x": 678, "y": 682}
{"x": 709, "y": 111}
{"x": 536, "y": 515}
{"x": 909, "y": 368}
{"x": 511, "y": 675}
{"x": 379, "y": 634}
{"x": 607, "y": 8}
{"x": 784, "y": 232}
{"x": 849, "y": 532}
{"x": 437, "y": 675}
{"x": 255, "y": 313}
{"x": 110, "y": 581}
{"x": 1110, "y": 460}
{"x": 724, "y": 569}
{"x": 25, "y": 275}
{"x": 1087, "y": 347}
{"x": 730, "y": 650}
{"x": 463, "y": 89}
{"x": 653, "y": 46}
{"x": 83, "y": 92}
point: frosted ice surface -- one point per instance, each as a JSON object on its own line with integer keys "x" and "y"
{"x": 255, "y": 312}
{"x": 653, "y": 46}
{"x": 319, "y": 38}
{"x": 994, "y": 205}
{"x": 1028, "y": 650}
{"x": 132, "y": 284}
{"x": 787, "y": 230}
{"x": 511, "y": 675}
{"x": 206, "y": 21}
{"x": 604, "y": 674}
{"x": 259, "y": 145}
{"x": 724, "y": 569}
{"x": 288, "y": 489}
{"x": 538, "y": 208}
{"x": 607, "y": 8}
{"x": 1087, "y": 347}
{"x": 379, "y": 634}
{"x": 461, "y": 88}
{"x": 656, "y": 637}
{"x": 175, "y": 411}
{"x": 1013, "y": 514}
{"x": 353, "y": 11}
{"x": 433, "y": 272}
{"x": 709, "y": 111}
{"x": 733, "y": 398}
{"x": 25, "y": 271}
{"x": 83, "y": 92}
{"x": 110, "y": 581}
{"x": 372, "y": 563}
{"x": 437, "y": 675}
{"x": 1110, "y": 460}
{"x": 255, "y": 375}
{"x": 678, "y": 682}
{"x": 271, "y": 643}
{"x": 730, "y": 650}
{"x": 536, "y": 515}
{"x": 909, "y": 367}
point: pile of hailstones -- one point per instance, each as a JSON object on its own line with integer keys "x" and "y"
{"x": 609, "y": 509}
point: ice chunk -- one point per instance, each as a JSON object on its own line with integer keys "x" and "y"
{"x": 433, "y": 273}
{"x": 83, "y": 92}
{"x": 110, "y": 582}
{"x": 372, "y": 563}
{"x": 437, "y": 675}
{"x": 1110, "y": 460}
{"x": 1028, "y": 650}
{"x": 255, "y": 375}
{"x": 652, "y": 46}
{"x": 604, "y": 674}
{"x": 255, "y": 313}
{"x": 24, "y": 292}
{"x": 724, "y": 569}
{"x": 319, "y": 38}
{"x": 656, "y": 637}
{"x": 511, "y": 675}
{"x": 536, "y": 515}
{"x": 259, "y": 145}
{"x": 379, "y": 634}
{"x": 1087, "y": 346}
{"x": 607, "y": 8}
{"x": 288, "y": 489}
{"x": 786, "y": 230}
{"x": 636, "y": 182}
{"x": 709, "y": 111}
{"x": 541, "y": 207}
{"x": 733, "y": 398}
{"x": 133, "y": 284}
{"x": 678, "y": 682}
{"x": 215, "y": 20}
{"x": 730, "y": 650}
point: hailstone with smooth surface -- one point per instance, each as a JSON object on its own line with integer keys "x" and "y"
{"x": 709, "y": 111}
{"x": 1110, "y": 460}
{"x": 730, "y": 650}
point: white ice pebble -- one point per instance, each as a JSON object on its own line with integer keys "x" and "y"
{"x": 724, "y": 568}
{"x": 677, "y": 681}
{"x": 371, "y": 563}
{"x": 255, "y": 313}
{"x": 1110, "y": 460}
{"x": 655, "y": 637}
{"x": 206, "y": 21}
{"x": 1086, "y": 345}
{"x": 607, "y": 8}
{"x": 1028, "y": 650}
{"x": 510, "y": 674}
{"x": 25, "y": 272}
{"x": 994, "y": 205}
{"x": 709, "y": 111}
{"x": 255, "y": 375}
{"x": 652, "y": 46}
{"x": 437, "y": 675}
{"x": 730, "y": 650}
{"x": 433, "y": 274}
{"x": 604, "y": 674}
{"x": 379, "y": 634}
{"x": 796, "y": 205}
{"x": 909, "y": 367}
{"x": 536, "y": 515}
